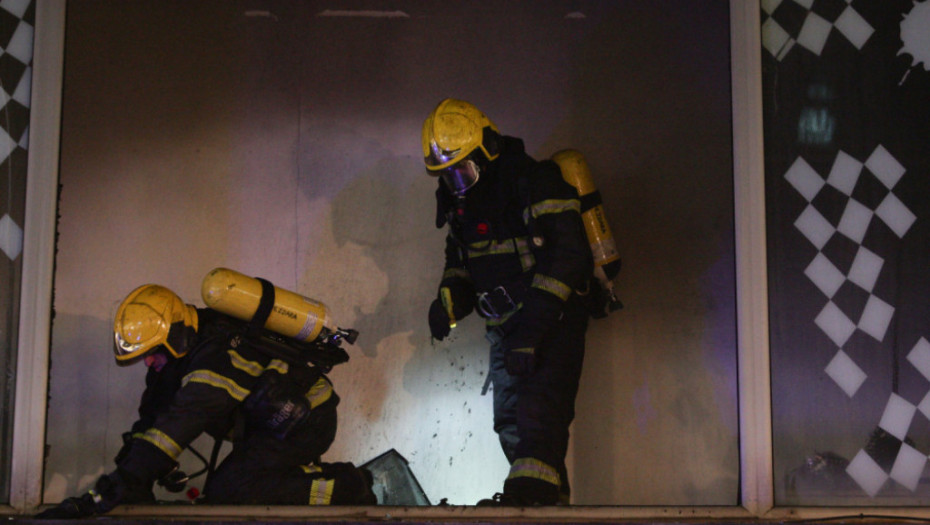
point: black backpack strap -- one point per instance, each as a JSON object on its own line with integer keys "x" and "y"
{"x": 265, "y": 304}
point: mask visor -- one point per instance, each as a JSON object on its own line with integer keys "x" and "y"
{"x": 461, "y": 176}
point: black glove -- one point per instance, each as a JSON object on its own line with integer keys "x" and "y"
{"x": 119, "y": 487}
{"x": 438, "y": 320}
{"x": 70, "y": 509}
{"x": 124, "y": 450}
{"x": 521, "y": 362}
{"x": 351, "y": 484}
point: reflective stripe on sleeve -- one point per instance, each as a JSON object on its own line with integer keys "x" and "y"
{"x": 319, "y": 393}
{"x": 211, "y": 378}
{"x": 554, "y": 206}
{"x": 311, "y": 469}
{"x": 479, "y": 249}
{"x": 534, "y": 468}
{"x": 461, "y": 273}
{"x": 163, "y": 442}
{"x": 527, "y": 259}
{"x": 278, "y": 366}
{"x": 552, "y": 285}
{"x": 249, "y": 367}
{"x": 321, "y": 491}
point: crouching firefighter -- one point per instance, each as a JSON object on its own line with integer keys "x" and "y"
{"x": 517, "y": 252}
{"x": 209, "y": 372}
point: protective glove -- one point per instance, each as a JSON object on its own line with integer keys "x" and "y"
{"x": 119, "y": 487}
{"x": 70, "y": 509}
{"x": 439, "y": 326}
{"x": 124, "y": 450}
{"x": 520, "y": 361}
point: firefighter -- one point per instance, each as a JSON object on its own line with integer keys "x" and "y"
{"x": 204, "y": 377}
{"x": 517, "y": 252}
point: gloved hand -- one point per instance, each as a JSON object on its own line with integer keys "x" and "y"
{"x": 119, "y": 487}
{"x": 124, "y": 450}
{"x": 70, "y": 509}
{"x": 521, "y": 361}
{"x": 438, "y": 320}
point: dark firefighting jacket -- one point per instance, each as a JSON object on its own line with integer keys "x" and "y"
{"x": 516, "y": 245}
{"x": 205, "y": 392}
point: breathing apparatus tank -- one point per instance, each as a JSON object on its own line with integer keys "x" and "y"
{"x": 291, "y": 314}
{"x": 575, "y": 171}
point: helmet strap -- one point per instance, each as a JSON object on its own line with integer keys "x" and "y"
{"x": 181, "y": 338}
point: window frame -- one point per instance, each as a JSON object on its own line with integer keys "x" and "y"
{"x": 756, "y": 458}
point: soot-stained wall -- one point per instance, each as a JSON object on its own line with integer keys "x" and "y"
{"x": 281, "y": 139}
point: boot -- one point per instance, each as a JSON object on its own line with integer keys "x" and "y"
{"x": 524, "y": 492}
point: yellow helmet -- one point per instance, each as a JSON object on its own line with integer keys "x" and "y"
{"x": 152, "y": 315}
{"x": 458, "y": 139}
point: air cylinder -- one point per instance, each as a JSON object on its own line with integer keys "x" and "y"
{"x": 575, "y": 171}
{"x": 292, "y": 315}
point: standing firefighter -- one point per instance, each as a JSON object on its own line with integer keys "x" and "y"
{"x": 209, "y": 372}
{"x": 517, "y": 253}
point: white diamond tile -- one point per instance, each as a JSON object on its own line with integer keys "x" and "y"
{"x": 867, "y": 473}
{"x": 804, "y": 179}
{"x": 7, "y": 144}
{"x": 896, "y": 419}
{"x": 908, "y": 467}
{"x": 825, "y": 275}
{"x": 924, "y": 406}
{"x": 16, "y": 7}
{"x": 876, "y": 317}
{"x": 855, "y": 220}
{"x": 865, "y": 269}
{"x": 919, "y": 356}
{"x": 814, "y": 33}
{"x": 23, "y": 93}
{"x": 11, "y": 237}
{"x": 775, "y": 38}
{"x": 851, "y": 24}
{"x": 769, "y": 6}
{"x": 885, "y": 167}
{"x": 20, "y": 45}
{"x": 895, "y": 214}
{"x": 845, "y": 373}
{"x": 844, "y": 173}
{"x": 835, "y": 324}
{"x": 815, "y": 227}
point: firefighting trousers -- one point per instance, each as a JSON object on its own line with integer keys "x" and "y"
{"x": 532, "y": 413}
{"x": 265, "y": 470}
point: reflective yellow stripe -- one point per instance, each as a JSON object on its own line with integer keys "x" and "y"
{"x": 527, "y": 260}
{"x": 526, "y": 350}
{"x": 321, "y": 491}
{"x": 461, "y": 273}
{"x": 534, "y": 468}
{"x": 311, "y": 469}
{"x": 162, "y": 442}
{"x": 552, "y": 285}
{"x": 208, "y": 377}
{"x": 479, "y": 249}
{"x": 249, "y": 367}
{"x": 278, "y": 366}
{"x": 319, "y": 393}
{"x": 555, "y": 206}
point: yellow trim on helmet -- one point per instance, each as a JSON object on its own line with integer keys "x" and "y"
{"x": 452, "y": 132}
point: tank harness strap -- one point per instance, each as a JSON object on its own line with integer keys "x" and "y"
{"x": 265, "y": 304}
{"x": 591, "y": 200}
